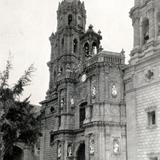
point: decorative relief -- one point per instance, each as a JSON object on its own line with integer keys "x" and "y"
{"x": 114, "y": 91}
{"x": 116, "y": 146}
{"x": 72, "y": 101}
{"x": 149, "y": 75}
{"x": 62, "y": 103}
{"x": 70, "y": 150}
{"x": 91, "y": 144}
{"x": 84, "y": 77}
{"x": 93, "y": 91}
{"x": 59, "y": 150}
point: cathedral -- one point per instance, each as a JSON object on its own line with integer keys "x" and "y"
{"x": 97, "y": 107}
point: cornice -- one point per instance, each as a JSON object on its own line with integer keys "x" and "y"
{"x": 103, "y": 124}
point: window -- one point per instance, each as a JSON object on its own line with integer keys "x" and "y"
{"x": 86, "y": 49}
{"x": 145, "y": 30}
{"x": 82, "y": 114}
{"x": 69, "y": 19}
{"x": 94, "y": 48}
{"x": 59, "y": 121}
{"x": 151, "y": 118}
{"x": 51, "y": 138}
{"x": 75, "y": 45}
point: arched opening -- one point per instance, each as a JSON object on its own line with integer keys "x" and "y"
{"x": 94, "y": 48}
{"x": 82, "y": 113}
{"x": 75, "y": 45}
{"x": 158, "y": 23}
{"x": 145, "y": 30}
{"x": 70, "y": 18}
{"x": 81, "y": 152}
{"x": 86, "y": 49}
{"x": 15, "y": 154}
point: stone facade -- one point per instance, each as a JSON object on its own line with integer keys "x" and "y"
{"x": 97, "y": 107}
{"x": 142, "y": 83}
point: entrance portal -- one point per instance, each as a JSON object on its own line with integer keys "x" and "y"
{"x": 81, "y": 152}
{"x": 16, "y": 154}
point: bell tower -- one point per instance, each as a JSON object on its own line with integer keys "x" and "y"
{"x": 65, "y": 43}
{"x": 71, "y": 13}
{"x": 142, "y": 82}
{"x": 145, "y": 17}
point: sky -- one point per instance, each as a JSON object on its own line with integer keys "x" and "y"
{"x": 25, "y": 26}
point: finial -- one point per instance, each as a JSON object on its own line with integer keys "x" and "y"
{"x": 99, "y": 32}
{"x": 122, "y": 51}
{"x": 90, "y": 27}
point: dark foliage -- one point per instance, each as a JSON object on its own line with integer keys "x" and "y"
{"x": 19, "y": 123}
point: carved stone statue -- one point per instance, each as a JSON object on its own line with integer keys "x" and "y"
{"x": 91, "y": 144}
{"x": 69, "y": 150}
{"x": 59, "y": 151}
{"x": 114, "y": 91}
{"x": 116, "y": 148}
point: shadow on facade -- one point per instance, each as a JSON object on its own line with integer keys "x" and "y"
{"x": 81, "y": 152}
{"x": 17, "y": 154}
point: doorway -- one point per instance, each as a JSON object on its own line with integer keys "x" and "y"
{"x": 15, "y": 154}
{"x": 81, "y": 152}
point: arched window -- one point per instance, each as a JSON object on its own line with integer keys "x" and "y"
{"x": 75, "y": 45}
{"x": 145, "y": 30}
{"x": 82, "y": 114}
{"x": 70, "y": 18}
{"x": 158, "y": 23}
{"x": 86, "y": 49}
{"x": 94, "y": 48}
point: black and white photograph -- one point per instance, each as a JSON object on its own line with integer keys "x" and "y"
{"x": 79, "y": 79}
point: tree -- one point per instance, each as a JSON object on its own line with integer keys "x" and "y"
{"x": 19, "y": 122}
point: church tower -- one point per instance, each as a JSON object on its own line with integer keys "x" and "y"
{"x": 142, "y": 83}
{"x": 83, "y": 115}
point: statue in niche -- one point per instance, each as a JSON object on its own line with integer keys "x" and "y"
{"x": 72, "y": 101}
{"x": 69, "y": 150}
{"x": 62, "y": 103}
{"x": 93, "y": 91}
{"x": 91, "y": 144}
{"x": 114, "y": 91}
{"x": 68, "y": 68}
{"x": 116, "y": 148}
{"x": 59, "y": 151}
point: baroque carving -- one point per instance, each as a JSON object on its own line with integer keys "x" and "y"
{"x": 114, "y": 91}
{"x": 70, "y": 150}
{"x": 116, "y": 146}
{"x": 91, "y": 144}
{"x": 59, "y": 150}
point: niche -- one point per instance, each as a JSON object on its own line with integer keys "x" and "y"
{"x": 70, "y": 18}
{"x": 75, "y": 45}
{"x": 145, "y": 30}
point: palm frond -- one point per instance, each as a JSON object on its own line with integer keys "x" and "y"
{"x": 4, "y": 76}
{"x": 23, "y": 81}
